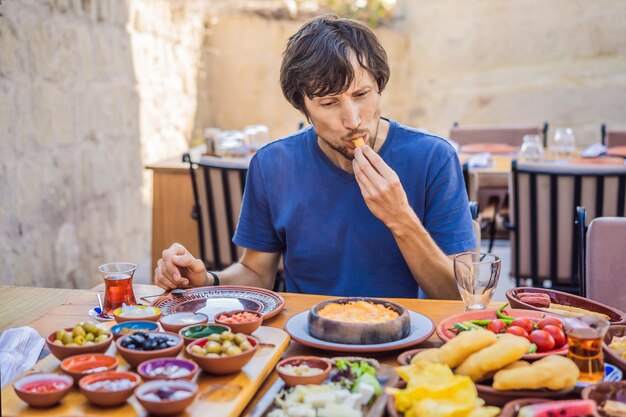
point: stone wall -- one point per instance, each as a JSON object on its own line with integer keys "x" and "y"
{"x": 90, "y": 91}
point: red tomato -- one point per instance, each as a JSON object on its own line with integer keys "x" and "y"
{"x": 557, "y": 334}
{"x": 550, "y": 321}
{"x": 525, "y": 323}
{"x": 542, "y": 339}
{"x": 517, "y": 331}
{"x": 496, "y": 326}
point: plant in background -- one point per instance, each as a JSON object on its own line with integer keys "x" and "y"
{"x": 372, "y": 12}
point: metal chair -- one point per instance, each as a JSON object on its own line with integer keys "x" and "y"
{"x": 612, "y": 137}
{"x": 544, "y": 199}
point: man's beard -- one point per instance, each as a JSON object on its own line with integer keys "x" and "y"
{"x": 345, "y": 151}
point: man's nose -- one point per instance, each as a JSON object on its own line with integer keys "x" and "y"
{"x": 351, "y": 116}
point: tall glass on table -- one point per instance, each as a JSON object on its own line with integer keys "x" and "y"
{"x": 564, "y": 145}
{"x": 118, "y": 284}
{"x": 584, "y": 337}
{"x": 476, "y": 275}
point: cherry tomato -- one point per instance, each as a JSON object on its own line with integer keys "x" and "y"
{"x": 542, "y": 339}
{"x": 517, "y": 331}
{"x": 550, "y": 321}
{"x": 557, "y": 334}
{"x": 525, "y": 323}
{"x": 496, "y": 326}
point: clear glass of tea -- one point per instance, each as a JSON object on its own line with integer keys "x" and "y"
{"x": 584, "y": 336}
{"x": 118, "y": 285}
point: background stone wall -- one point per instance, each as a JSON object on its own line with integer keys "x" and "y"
{"x": 91, "y": 91}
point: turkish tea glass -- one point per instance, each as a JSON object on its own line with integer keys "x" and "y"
{"x": 584, "y": 337}
{"x": 118, "y": 285}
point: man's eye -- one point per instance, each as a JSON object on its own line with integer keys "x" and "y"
{"x": 363, "y": 94}
{"x": 327, "y": 104}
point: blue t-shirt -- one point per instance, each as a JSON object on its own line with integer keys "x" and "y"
{"x": 298, "y": 203}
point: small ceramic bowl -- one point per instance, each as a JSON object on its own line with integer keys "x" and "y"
{"x": 223, "y": 364}
{"x": 203, "y": 330}
{"x": 228, "y": 318}
{"x": 42, "y": 389}
{"x": 148, "y": 317}
{"x": 62, "y": 352}
{"x": 128, "y": 327}
{"x": 80, "y": 366}
{"x": 610, "y": 355}
{"x": 315, "y": 362}
{"x": 166, "y": 397}
{"x": 134, "y": 357}
{"x": 167, "y": 368}
{"x": 605, "y": 391}
{"x": 109, "y": 388}
{"x": 174, "y": 322}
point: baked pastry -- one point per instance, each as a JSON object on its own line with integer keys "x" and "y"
{"x": 358, "y": 142}
{"x": 508, "y": 349}
{"x": 553, "y": 372}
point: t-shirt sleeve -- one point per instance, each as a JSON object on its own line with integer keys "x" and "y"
{"x": 447, "y": 217}
{"x": 255, "y": 229}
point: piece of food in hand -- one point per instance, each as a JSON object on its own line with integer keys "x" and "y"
{"x": 506, "y": 350}
{"x": 565, "y": 408}
{"x": 535, "y": 299}
{"x": 358, "y": 142}
{"x": 553, "y": 372}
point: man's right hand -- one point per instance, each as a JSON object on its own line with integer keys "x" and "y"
{"x": 178, "y": 268}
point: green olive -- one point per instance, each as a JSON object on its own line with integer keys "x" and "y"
{"x": 233, "y": 350}
{"x": 101, "y": 338}
{"x": 60, "y": 334}
{"x": 67, "y": 338}
{"x": 240, "y": 338}
{"x": 226, "y": 344}
{"x": 213, "y": 347}
{"x": 79, "y": 340}
{"x": 212, "y": 355}
{"x": 245, "y": 346}
{"x": 72, "y": 344}
{"x": 58, "y": 342}
{"x": 90, "y": 337}
{"x": 78, "y": 331}
{"x": 215, "y": 337}
{"x": 89, "y": 327}
{"x": 227, "y": 336}
{"x": 197, "y": 350}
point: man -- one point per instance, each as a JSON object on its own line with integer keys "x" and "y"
{"x": 376, "y": 220}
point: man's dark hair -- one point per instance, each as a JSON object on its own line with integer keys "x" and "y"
{"x": 316, "y": 61}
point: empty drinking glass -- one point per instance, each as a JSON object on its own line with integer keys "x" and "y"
{"x": 476, "y": 275}
{"x": 564, "y": 143}
{"x": 532, "y": 148}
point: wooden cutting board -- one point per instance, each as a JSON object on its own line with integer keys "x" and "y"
{"x": 218, "y": 396}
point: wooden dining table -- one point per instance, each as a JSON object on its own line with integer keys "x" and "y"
{"x": 75, "y": 309}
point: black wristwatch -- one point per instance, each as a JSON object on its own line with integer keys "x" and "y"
{"x": 216, "y": 280}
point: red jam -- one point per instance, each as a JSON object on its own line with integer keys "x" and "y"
{"x": 41, "y": 387}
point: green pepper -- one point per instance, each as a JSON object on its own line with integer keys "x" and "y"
{"x": 502, "y": 315}
{"x": 459, "y": 327}
{"x": 533, "y": 348}
{"x": 480, "y": 322}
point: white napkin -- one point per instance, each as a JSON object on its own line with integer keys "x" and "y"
{"x": 19, "y": 351}
{"x": 480, "y": 160}
{"x": 593, "y": 151}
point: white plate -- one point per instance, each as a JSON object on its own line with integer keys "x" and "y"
{"x": 421, "y": 329}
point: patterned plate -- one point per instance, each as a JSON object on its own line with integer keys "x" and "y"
{"x": 212, "y": 300}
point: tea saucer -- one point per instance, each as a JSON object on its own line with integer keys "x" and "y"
{"x": 94, "y": 313}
